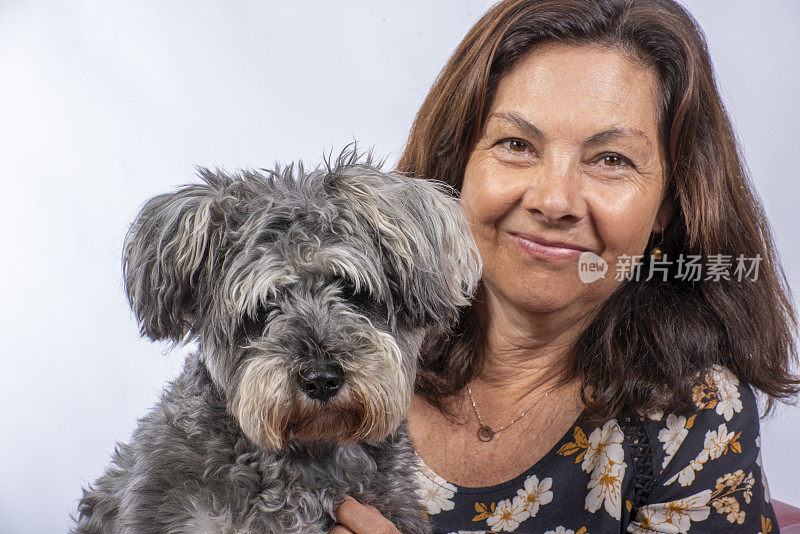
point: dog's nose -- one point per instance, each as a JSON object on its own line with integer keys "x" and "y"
{"x": 321, "y": 381}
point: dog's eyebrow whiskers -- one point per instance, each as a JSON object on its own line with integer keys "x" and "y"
{"x": 315, "y": 345}
{"x": 336, "y": 346}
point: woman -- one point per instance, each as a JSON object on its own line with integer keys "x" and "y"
{"x": 586, "y": 135}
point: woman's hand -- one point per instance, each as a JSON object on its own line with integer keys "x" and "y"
{"x": 356, "y": 518}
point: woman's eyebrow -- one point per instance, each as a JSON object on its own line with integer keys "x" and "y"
{"x": 614, "y": 133}
{"x": 521, "y": 123}
{"x": 596, "y": 139}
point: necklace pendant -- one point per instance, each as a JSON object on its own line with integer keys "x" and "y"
{"x": 485, "y": 433}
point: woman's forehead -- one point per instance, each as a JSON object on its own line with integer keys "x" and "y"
{"x": 589, "y": 87}
{"x": 583, "y": 65}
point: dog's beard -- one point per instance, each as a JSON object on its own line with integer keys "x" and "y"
{"x": 345, "y": 419}
{"x": 372, "y": 403}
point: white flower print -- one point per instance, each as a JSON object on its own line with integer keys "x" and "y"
{"x": 508, "y": 515}
{"x": 698, "y": 396}
{"x": 560, "y": 530}
{"x": 729, "y": 507}
{"x": 605, "y": 489}
{"x": 674, "y": 516}
{"x": 605, "y": 445}
{"x": 748, "y": 490}
{"x": 672, "y": 436}
{"x": 727, "y": 386}
{"x": 716, "y": 443}
{"x": 535, "y": 493}
{"x": 434, "y": 491}
{"x": 604, "y": 460}
{"x": 763, "y": 473}
{"x": 686, "y": 475}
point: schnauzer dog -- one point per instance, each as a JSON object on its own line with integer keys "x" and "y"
{"x": 309, "y": 295}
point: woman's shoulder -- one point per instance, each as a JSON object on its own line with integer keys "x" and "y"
{"x": 725, "y": 416}
{"x": 707, "y": 463}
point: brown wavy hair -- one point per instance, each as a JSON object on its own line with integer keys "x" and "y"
{"x": 650, "y": 341}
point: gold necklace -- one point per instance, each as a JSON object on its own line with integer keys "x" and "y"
{"x": 485, "y": 432}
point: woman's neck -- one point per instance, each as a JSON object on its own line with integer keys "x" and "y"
{"x": 524, "y": 353}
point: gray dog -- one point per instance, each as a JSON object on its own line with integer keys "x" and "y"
{"x": 309, "y": 296}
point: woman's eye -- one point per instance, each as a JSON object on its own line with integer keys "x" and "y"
{"x": 614, "y": 160}
{"x": 515, "y": 145}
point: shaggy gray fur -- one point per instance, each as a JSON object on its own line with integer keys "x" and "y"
{"x": 309, "y": 295}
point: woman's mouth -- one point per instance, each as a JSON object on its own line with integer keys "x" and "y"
{"x": 550, "y": 252}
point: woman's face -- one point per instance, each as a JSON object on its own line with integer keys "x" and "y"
{"x": 571, "y": 154}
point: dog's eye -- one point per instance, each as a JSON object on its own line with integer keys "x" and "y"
{"x": 359, "y": 297}
{"x": 254, "y": 325}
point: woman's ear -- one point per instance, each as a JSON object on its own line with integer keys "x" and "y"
{"x": 664, "y": 215}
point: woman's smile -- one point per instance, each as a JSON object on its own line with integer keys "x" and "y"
{"x": 539, "y": 248}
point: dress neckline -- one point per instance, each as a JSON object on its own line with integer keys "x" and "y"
{"x": 549, "y": 456}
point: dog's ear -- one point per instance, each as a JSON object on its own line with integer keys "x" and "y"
{"x": 424, "y": 240}
{"x": 439, "y": 269}
{"x": 168, "y": 254}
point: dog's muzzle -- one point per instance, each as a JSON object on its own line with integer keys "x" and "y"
{"x": 321, "y": 381}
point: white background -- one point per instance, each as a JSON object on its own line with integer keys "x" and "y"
{"x": 104, "y": 104}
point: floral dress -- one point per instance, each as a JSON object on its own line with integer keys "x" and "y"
{"x": 706, "y": 476}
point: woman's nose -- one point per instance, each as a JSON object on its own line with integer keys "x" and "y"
{"x": 554, "y": 189}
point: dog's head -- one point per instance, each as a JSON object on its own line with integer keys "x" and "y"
{"x": 309, "y": 293}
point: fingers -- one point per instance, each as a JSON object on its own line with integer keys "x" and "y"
{"x": 340, "y": 529}
{"x": 362, "y": 519}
